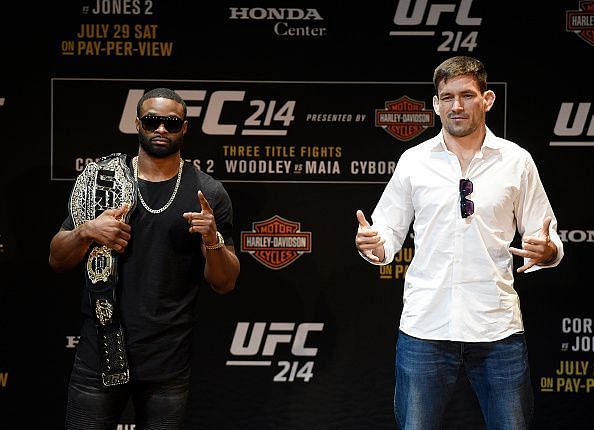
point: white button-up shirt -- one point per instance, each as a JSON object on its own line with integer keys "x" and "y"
{"x": 459, "y": 285}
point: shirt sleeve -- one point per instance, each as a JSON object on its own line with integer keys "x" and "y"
{"x": 223, "y": 212}
{"x": 532, "y": 207}
{"x": 219, "y": 201}
{"x": 394, "y": 212}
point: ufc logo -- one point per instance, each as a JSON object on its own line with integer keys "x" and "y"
{"x": 270, "y": 337}
{"x": 402, "y": 16}
{"x": 576, "y": 127}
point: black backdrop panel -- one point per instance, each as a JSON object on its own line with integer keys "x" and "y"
{"x": 259, "y": 131}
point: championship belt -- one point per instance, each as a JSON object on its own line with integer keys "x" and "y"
{"x": 106, "y": 184}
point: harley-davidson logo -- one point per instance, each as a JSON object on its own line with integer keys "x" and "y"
{"x": 581, "y": 22}
{"x": 276, "y": 242}
{"x": 404, "y": 118}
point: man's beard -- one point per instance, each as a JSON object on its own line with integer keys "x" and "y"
{"x": 160, "y": 150}
{"x": 462, "y": 131}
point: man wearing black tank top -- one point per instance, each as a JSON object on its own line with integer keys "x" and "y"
{"x": 179, "y": 234}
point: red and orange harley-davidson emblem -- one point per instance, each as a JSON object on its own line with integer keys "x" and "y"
{"x": 276, "y": 242}
{"x": 404, "y": 118}
{"x": 581, "y": 22}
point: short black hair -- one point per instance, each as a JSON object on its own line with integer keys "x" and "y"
{"x": 165, "y": 93}
{"x": 458, "y": 66}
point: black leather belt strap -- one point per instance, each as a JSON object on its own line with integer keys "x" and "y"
{"x": 106, "y": 184}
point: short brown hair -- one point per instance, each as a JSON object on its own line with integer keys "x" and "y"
{"x": 458, "y": 66}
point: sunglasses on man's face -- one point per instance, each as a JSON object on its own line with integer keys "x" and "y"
{"x": 466, "y": 205}
{"x": 150, "y": 123}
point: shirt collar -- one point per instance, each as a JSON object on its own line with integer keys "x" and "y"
{"x": 491, "y": 141}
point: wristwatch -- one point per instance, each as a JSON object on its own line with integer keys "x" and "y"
{"x": 220, "y": 243}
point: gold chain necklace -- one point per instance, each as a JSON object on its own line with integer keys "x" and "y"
{"x": 151, "y": 210}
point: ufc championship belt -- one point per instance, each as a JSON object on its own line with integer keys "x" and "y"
{"x": 106, "y": 184}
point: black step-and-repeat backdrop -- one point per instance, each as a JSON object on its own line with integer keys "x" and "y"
{"x": 302, "y": 109}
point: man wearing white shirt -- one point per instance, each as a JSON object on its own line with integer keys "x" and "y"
{"x": 466, "y": 193}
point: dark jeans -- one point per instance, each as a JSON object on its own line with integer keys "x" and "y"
{"x": 427, "y": 370}
{"x": 91, "y": 405}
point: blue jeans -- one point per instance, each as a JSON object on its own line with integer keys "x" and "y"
{"x": 427, "y": 370}
{"x": 93, "y": 406}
